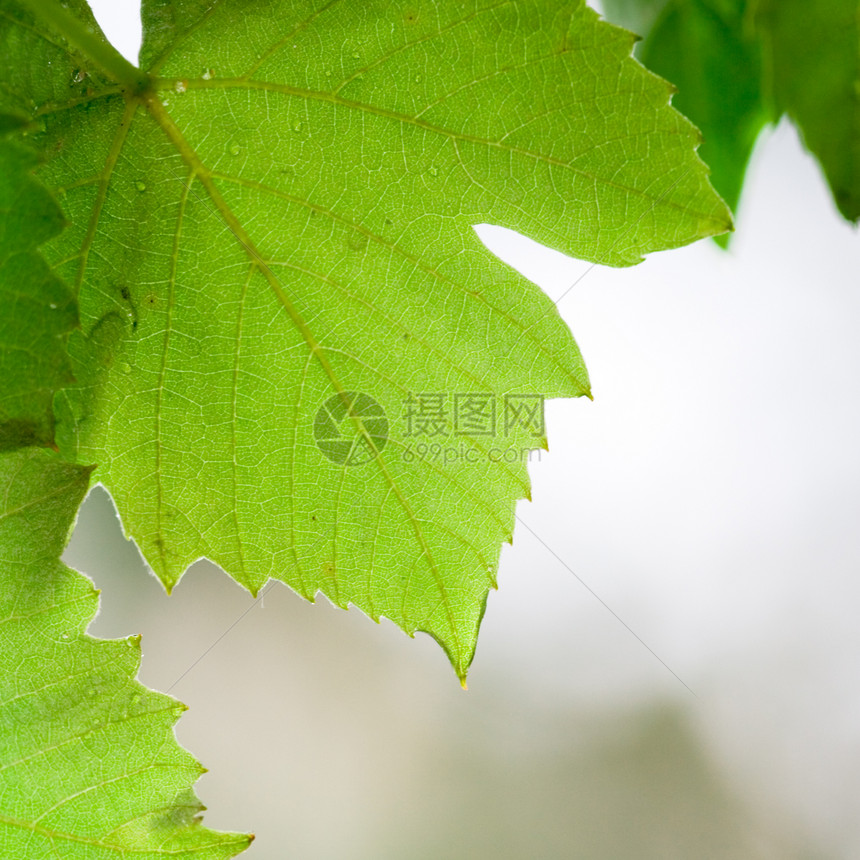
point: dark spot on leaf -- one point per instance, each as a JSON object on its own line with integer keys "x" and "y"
{"x": 23, "y": 433}
{"x": 357, "y": 241}
{"x": 132, "y": 308}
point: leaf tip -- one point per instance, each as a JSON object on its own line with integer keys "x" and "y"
{"x": 722, "y": 240}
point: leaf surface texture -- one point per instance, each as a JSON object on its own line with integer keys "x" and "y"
{"x": 89, "y": 766}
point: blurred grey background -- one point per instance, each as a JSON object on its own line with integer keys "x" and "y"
{"x": 710, "y": 496}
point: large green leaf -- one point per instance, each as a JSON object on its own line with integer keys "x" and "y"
{"x": 37, "y": 310}
{"x": 89, "y": 766}
{"x": 284, "y": 219}
{"x": 812, "y": 50}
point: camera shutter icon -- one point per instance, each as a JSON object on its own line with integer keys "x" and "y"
{"x": 350, "y": 428}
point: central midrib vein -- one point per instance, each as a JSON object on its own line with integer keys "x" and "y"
{"x": 204, "y": 175}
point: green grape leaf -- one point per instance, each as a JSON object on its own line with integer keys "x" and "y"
{"x": 703, "y": 47}
{"x": 297, "y": 358}
{"x": 37, "y": 310}
{"x": 812, "y": 64}
{"x": 89, "y": 766}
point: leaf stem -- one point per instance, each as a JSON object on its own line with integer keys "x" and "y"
{"x": 89, "y": 43}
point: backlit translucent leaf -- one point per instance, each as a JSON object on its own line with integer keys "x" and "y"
{"x": 89, "y": 766}
{"x": 276, "y": 246}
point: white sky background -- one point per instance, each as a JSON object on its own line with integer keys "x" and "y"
{"x": 710, "y": 495}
